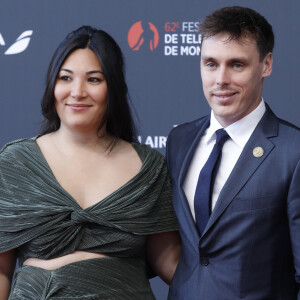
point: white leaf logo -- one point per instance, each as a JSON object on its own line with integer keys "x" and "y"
{"x": 20, "y": 44}
{"x": 2, "y": 43}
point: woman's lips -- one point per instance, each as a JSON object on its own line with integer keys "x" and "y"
{"x": 79, "y": 107}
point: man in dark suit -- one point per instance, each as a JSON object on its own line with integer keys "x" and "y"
{"x": 239, "y": 219}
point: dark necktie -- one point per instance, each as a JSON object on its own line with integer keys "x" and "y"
{"x": 202, "y": 201}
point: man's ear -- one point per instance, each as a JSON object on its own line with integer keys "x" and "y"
{"x": 267, "y": 65}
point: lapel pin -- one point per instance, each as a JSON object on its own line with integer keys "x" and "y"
{"x": 258, "y": 152}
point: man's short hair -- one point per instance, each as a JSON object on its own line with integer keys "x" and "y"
{"x": 239, "y": 22}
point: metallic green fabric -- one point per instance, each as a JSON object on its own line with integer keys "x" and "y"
{"x": 100, "y": 278}
{"x": 40, "y": 219}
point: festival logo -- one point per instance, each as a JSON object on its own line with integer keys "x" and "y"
{"x": 178, "y": 38}
{"x": 143, "y": 35}
{"x": 20, "y": 45}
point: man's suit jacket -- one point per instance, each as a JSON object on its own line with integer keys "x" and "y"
{"x": 250, "y": 248}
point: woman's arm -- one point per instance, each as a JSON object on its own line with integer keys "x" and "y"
{"x": 163, "y": 251}
{"x": 7, "y": 267}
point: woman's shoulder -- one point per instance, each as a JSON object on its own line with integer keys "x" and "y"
{"x": 147, "y": 149}
{"x": 17, "y": 147}
{"x": 148, "y": 153}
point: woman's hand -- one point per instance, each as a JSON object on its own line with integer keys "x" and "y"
{"x": 163, "y": 252}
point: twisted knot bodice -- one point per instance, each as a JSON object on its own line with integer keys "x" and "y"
{"x": 41, "y": 219}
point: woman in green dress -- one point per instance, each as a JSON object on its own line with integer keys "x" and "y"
{"x": 84, "y": 207}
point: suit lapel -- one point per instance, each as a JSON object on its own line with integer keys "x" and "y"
{"x": 188, "y": 223}
{"x": 247, "y": 164}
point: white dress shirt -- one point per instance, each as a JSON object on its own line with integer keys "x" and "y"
{"x": 239, "y": 133}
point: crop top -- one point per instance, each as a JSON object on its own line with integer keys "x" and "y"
{"x": 40, "y": 219}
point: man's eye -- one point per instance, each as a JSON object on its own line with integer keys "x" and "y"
{"x": 238, "y": 66}
{"x": 210, "y": 65}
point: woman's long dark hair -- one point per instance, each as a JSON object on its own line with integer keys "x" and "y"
{"x": 117, "y": 117}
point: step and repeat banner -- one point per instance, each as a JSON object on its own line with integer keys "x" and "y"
{"x": 161, "y": 46}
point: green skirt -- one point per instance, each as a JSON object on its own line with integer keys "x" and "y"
{"x": 100, "y": 278}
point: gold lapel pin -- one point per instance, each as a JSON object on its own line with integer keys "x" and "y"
{"x": 258, "y": 152}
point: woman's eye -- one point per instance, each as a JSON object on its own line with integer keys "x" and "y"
{"x": 65, "y": 78}
{"x": 94, "y": 79}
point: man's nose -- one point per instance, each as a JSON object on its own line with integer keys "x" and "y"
{"x": 223, "y": 76}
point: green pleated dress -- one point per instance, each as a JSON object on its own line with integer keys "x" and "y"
{"x": 40, "y": 219}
